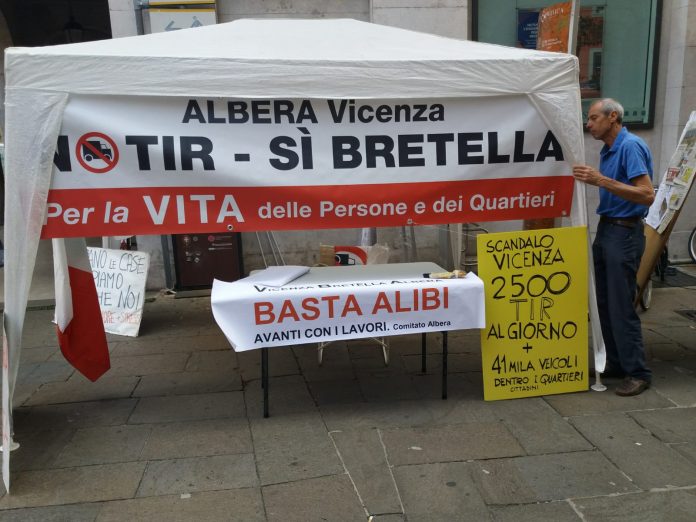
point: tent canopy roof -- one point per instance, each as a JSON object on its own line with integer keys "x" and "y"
{"x": 286, "y": 39}
{"x": 328, "y": 58}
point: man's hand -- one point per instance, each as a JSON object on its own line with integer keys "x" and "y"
{"x": 640, "y": 190}
{"x": 588, "y": 175}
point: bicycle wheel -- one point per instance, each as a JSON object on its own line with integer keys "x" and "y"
{"x": 692, "y": 245}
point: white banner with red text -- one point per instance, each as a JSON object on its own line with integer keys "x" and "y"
{"x": 257, "y": 316}
{"x": 155, "y": 165}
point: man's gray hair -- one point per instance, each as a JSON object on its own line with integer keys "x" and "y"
{"x": 610, "y": 105}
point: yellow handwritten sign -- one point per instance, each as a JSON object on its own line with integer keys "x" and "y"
{"x": 535, "y": 339}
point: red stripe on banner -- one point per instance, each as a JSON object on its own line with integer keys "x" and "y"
{"x": 165, "y": 210}
{"x": 83, "y": 342}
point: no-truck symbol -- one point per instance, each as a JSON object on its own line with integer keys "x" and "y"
{"x": 96, "y": 152}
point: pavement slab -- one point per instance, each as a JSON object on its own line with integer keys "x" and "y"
{"x": 39, "y": 449}
{"x": 48, "y": 371}
{"x": 197, "y": 439}
{"x": 322, "y": 498}
{"x": 683, "y": 334}
{"x": 460, "y": 386}
{"x": 336, "y": 362}
{"x": 592, "y": 402}
{"x": 687, "y": 449}
{"x": 327, "y": 392}
{"x": 188, "y": 407}
{"x": 651, "y": 335}
{"x": 538, "y": 428}
{"x": 368, "y": 350}
{"x": 674, "y": 383}
{"x": 440, "y": 492}
{"x": 376, "y": 415}
{"x": 293, "y": 447}
{"x": 665, "y": 352}
{"x": 661, "y": 506}
{"x": 157, "y": 344}
{"x": 669, "y": 425}
{"x": 103, "y": 445}
{"x": 542, "y": 478}
{"x": 234, "y": 504}
{"x": 285, "y": 395}
{"x": 281, "y": 361}
{"x": 73, "y": 485}
{"x": 377, "y": 387}
{"x": 72, "y": 513}
{"x": 327, "y": 373}
{"x": 188, "y": 383}
{"x": 372, "y": 364}
{"x": 363, "y": 455}
{"x": 80, "y": 389}
{"x": 460, "y": 410}
{"x": 451, "y": 443}
{"x": 645, "y": 459}
{"x": 222, "y": 360}
{"x": 43, "y": 331}
{"x": 73, "y": 415}
{"x": 397, "y": 414}
{"x": 148, "y": 364}
{"x": 456, "y": 362}
{"x": 167, "y": 477}
{"x": 560, "y": 511}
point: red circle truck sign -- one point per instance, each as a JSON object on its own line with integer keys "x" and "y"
{"x": 96, "y": 152}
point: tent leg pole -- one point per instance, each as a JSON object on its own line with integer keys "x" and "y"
{"x": 444, "y": 365}
{"x": 264, "y": 380}
{"x": 423, "y": 350}
{"x": 598, "y": 386}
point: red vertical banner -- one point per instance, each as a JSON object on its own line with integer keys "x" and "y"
{"x": 554, "y": 27}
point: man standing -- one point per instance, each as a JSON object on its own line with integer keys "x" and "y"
{"x": 625, "y": 186}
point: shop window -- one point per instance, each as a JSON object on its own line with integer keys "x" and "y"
{"x": 616, "y": 46}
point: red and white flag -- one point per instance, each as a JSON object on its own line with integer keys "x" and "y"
{"x": 78, "y": 317}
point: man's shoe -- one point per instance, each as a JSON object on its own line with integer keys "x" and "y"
{"x": 632, "y": 386}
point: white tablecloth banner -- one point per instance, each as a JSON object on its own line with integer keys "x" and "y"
{"x": 257, "y": 316}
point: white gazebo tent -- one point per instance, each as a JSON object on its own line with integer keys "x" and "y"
{"x": 319, "y": 59}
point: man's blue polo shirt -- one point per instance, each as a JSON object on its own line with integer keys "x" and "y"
{"x": 627, "y": 158}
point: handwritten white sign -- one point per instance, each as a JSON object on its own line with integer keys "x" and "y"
{"x": 120, "y": 276}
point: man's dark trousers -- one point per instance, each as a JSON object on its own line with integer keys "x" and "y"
{"x": 617, "y": 250}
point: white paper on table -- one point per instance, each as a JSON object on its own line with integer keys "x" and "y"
{"x": 276, "y": 275}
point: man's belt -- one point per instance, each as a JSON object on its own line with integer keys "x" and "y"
{"x": 628, "y": 222}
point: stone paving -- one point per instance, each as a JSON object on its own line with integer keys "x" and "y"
{"x": 175, "y": 432}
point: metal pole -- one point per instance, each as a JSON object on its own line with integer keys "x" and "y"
{"x": 264, "y": 380}
{"x": 423, "y": 358}
{"x": 573, "y": 26}
{"x": 368, "y": 236}
{"x": 444, "y": 365}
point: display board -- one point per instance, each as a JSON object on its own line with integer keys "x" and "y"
{"x": 674, "y": 187}
{"x": 535, "y": 339}
{"x": 120, "y": 277}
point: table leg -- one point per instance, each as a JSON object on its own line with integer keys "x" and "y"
{"x": 264, "y": 380}
{"x": 444, "y": 365}
{"x": 423, "y": 360}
